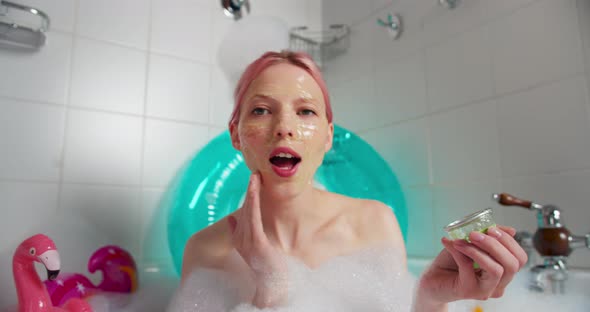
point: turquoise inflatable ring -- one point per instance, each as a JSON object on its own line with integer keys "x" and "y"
{"x": 213, "y": 184}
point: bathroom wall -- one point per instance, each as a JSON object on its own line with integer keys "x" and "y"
{"x": 489, "y": 97}
{"x": 95, "y": 125}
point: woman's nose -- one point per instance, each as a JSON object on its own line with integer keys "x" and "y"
{"x": 284, "y": 127}
{"x": 281, "y": 132}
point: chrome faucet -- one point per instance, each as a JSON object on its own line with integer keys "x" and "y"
{"x": 554, "y": 269}
{"x": 552, "y": 241}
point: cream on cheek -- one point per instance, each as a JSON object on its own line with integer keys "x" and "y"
{"x": 257, "y": 141}
{"x": 252, "y": 143}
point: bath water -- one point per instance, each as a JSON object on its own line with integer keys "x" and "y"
{"x": 371, "y": 280}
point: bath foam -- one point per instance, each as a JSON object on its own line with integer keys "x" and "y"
{"x": 369, "y": 280}
{"x": 152, "y": 295}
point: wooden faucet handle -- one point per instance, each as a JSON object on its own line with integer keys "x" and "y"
{"x": 509, "y": 200}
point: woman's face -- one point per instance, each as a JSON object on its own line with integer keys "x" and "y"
{"x": 282, "y": 129}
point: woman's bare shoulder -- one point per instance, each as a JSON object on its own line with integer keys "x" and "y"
{"x": 374, "y": 221}
{"x": 208, "y": 248}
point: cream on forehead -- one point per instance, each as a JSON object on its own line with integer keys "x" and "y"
{"x": 277, "y": 91}
{"x": 293, "y": 81}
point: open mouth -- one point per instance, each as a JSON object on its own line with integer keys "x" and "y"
{"x": 284, "y": 161}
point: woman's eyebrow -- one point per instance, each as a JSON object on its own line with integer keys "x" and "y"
{"x": 306, "y": 100}
{"x": 265, "y": 97}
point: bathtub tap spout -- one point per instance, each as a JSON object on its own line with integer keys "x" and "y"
{"x": 554, "y": 270}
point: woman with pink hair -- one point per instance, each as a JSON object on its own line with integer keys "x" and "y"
{"x": 282, "y": 124}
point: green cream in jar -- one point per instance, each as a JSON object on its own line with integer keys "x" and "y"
{"x": 476, "y": 222}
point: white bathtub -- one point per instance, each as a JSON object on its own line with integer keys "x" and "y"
{"x": 157, "y": 284}
{"x": 519, "y": 298}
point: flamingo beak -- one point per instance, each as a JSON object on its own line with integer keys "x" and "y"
{"x": 50, "y": 260}
{"x": 52, "y": 274}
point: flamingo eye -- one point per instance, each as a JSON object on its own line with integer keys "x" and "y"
{"x": 32, "y": 251}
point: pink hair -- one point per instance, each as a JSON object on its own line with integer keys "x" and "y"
{"x": 299, "y": 59}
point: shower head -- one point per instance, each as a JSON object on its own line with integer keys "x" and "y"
{"x": 17, "y": 36}
{"x": 235, "y": 8}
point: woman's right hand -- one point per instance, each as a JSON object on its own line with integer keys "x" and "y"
{"x": 266, "y": 262}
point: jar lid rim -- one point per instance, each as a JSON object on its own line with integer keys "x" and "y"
{"x": 476, "y": 215}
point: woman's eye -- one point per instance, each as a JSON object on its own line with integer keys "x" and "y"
{"x": 307, "y": 112}
{"x": 260, "y": 111}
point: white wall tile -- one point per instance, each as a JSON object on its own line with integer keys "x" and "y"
{"x": 61, "y": 13}
{"x": 292, "y": 12}
{"x": 422, "y": 241}
{"x": 568, "y": 191}
{"x": 583, "y": 8}
{"x": 545, "y": 129}
{"x": 345, "y": 11}
{"x": 459, "y": 71}
{"x": 102, "y": 148}
{"x": 178, "y": 89}
{"x": 501, "y": 8}
{"x": 41, "y": 76}
{"x": 400, "y": 89}
{"x": 155, "y": 248}
{"x": 31, "y": 137}
{"x": 405, "y": 148}
{"x": 214, "y": 132}
{"x": 584, "y": 19}
{"x": 379, "y": 4}
{"x": 220, "y": 27}
{"x": 108, "y": 77}
{"x": 124, "y": 22}
{"x": 353, "y": 104}
{"x": 113, "y": 211}
{"x": 527, "y": 50}
{"x": 24, "y": 207}
{"x": 456, "y": 202}
{"x": 182, "y": 28}
{"x": 313, "y": 11}
{"x": 211, "y": 4}
{"x": 441, "y": 23}
{"x": 357, "y": 58}
{"x": 222, "y": 101}
{"x": 410, "y": 41}
{"x": 465, "y": 144}
{"x": 168, "y": 146}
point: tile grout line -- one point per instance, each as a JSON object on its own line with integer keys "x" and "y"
{"x": 98, "y": 110}
{"x": 144, "y": 118}
{"x": 60, "y": 187}
{"x": 491, "y": 45}
{"x": 585, "y": 44}
{"x": 210, "y": 100}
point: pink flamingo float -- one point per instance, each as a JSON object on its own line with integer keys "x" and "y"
{"x": 68, "y": 290}
{"x": 32, "y": 294}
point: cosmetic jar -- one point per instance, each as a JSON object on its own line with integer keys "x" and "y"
{"x": 478, "y": 221}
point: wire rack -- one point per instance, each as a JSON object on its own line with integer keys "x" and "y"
{"x": 321, "y": 45}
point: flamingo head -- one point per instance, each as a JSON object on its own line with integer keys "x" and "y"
{"x": 40, "y": 248}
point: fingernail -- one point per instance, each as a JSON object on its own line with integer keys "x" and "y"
{"x": 477, "y": 236}
{"x": 493, "y": 231}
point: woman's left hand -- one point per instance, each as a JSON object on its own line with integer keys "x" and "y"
{"x": 452, "y": 276}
